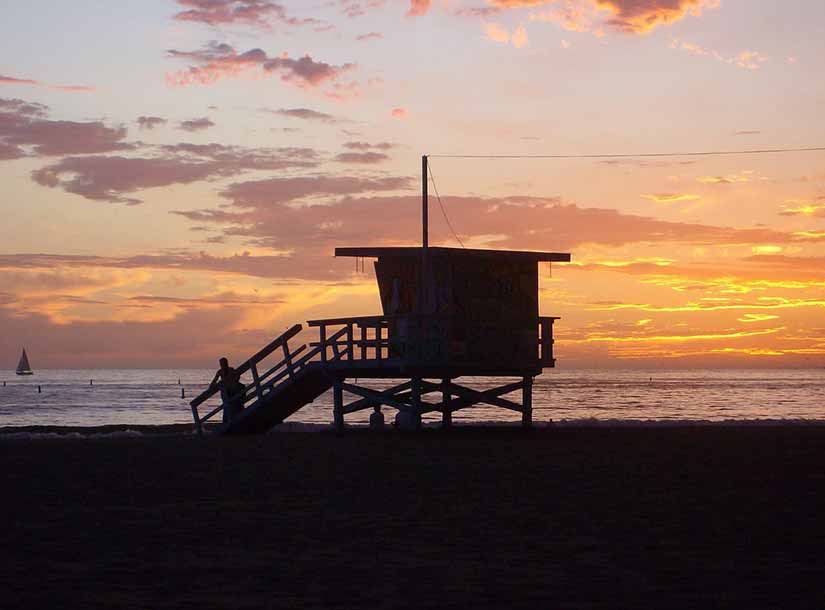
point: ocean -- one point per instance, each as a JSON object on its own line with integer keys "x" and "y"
{"x": 592, "y": 397}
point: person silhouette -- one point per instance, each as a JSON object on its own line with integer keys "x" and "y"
{"x": 233, "y": 389}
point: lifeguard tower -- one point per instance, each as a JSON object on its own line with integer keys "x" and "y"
{"x": 448, "y": 313}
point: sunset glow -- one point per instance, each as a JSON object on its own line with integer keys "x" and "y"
{"x": 176, "y": 173}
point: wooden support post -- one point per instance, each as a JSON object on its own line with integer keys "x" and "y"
{"x": 350, "y": 339}
{"x": 447, "y": 414}
{"x": 527, "y": 403}
{"x": 416, "y": 401}
{"x": 288, "y": 361}
{"x": 338, "y": 404}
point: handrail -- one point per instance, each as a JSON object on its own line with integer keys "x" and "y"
{"x": 263, "y": 353}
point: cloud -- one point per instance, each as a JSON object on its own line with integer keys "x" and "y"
{"x": 729, "y": 179}
{"x": 150, "y": 122}
{"x": 368, "y": 146}
{"x": 259, "y": 13}
{"x": 23, "y": 124}
{"x": 115, "y": 178}
{"x": 193, "y": 125}
{"x": 295, "y": 215}
{"x": 803, "y": 208}
{"x": 419, "y": 8}
{"x": 369, "y": 36}
{"x": 400, "y": 113}
{"x": 107, "y": 178}
{"x": 747, "y": 60}
{"x": 628, "y": 16}
{"x": 304, "y": 114}
{"x": 217, "y": 61}
{"x": 643, "y": 16}
{"x": 496, "y": 33}
{"x": 671, "y": 197}
{"x": 269, "y": 192}
{"x": 362, "y": 158}
{"x": 8, "y": 80}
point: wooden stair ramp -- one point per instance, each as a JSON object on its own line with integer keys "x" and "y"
{"x": 297, "y": 378}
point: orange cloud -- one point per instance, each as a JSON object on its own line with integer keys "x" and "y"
{"x": 496, "y": 33}
{"x": 671, "y": 197}
{"x": 747, "y": 60}
{"x": 419, "y": 7}
{"x": 629, "y": 16}
{"x": 400, "y": 113}
{"x": 804, "y": 209}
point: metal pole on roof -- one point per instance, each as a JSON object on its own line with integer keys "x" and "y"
{"x": 425, "y": 238}
{"x": 424, "y": 204}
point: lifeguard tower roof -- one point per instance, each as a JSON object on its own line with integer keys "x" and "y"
{"x": 512, "y": 255}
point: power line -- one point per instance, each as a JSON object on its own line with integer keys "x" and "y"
{"x": 707, "y": 153}
{"x": 441, "y": 205}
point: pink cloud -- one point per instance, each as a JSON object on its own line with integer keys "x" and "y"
{"x": 259, "y": 13}
{"x": 362, "y": 158}
{"x": 23, "y": 124}
{"x": 8, "y": 80}
{"x": 400, "y": 113}
{"x": 369, "y": 36}
{"x": 115, "y": 179}
{"x": 219, "y": 60}
{"x": 150, "y": 122}
{"x": 193, "y": 125}
{"x": 313, "y": 214}
{"x": 304, "y": 114}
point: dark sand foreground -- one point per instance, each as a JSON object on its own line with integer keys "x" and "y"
{"x": 474, "y": 518}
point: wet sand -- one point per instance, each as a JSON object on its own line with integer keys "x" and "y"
{"x": 713, "y": 517}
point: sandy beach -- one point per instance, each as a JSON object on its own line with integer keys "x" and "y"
{"x": 713, "y": 517}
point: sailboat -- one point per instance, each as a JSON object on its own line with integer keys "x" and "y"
{"x": 23, "y": 367}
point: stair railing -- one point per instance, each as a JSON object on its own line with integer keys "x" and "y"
{"x": 292, "y": 363}
{"x": 286, "y": 366}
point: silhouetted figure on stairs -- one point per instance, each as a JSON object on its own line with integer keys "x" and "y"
{"x": 233, "y": 390}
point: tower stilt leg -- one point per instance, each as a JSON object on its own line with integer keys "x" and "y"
{"x": 447, "y": 415}
{"x": 527, "y": 403}
{"x": 416, "y": 399}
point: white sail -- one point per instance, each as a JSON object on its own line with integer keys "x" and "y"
{"x": 23, "y": 367}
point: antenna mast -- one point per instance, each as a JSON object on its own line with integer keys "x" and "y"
{"x": 424, "y": 205}
{"x": 423, "y": 295}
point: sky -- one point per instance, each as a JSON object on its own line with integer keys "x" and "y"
{"x": 175, "y": 174}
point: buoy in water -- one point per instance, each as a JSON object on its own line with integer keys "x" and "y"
{"x": 39, "y": 391}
